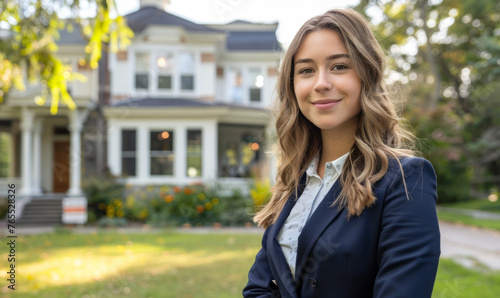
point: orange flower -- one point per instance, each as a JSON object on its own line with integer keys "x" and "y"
{"x": 177, "y": 189}
{"x": 200, "y": 209}
{"x": 187, "y": 190}
{"x": 169, "y": 198}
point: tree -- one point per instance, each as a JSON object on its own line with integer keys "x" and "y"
{"x": 446, "y": 53}
{"x": 28, "y": 43}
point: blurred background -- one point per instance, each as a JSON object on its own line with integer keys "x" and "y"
{"x": 136, "y": 133}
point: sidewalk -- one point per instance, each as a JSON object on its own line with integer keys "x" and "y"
{"x": 470, "y": 245}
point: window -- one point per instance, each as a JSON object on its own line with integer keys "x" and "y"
{"x": 162, "y": 152}
{"x": 239, "y": 150}
{"x": 186, "y": 68}
{"x": 194, "y": 153}
{"x": 236, "y": 83}
{"x": 165, "y": 64}
{"x": 141, "y": 70}
{"x": 128, "y": 152}
{"x": 255, "y": 84}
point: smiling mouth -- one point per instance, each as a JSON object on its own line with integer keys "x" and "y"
{"x": 326, "y": 103}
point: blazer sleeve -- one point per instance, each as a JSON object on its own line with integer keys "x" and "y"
{"x": 409, "y": 243}
{"x": 260, "y": 277}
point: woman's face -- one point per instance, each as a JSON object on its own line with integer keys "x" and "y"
{"x": 325, "y": 83}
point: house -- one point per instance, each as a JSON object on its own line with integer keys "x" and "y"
{"x": 185, "y": 103}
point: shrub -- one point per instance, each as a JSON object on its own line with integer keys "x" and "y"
{"x": 104, "y": 196}
{"x": 196, "y": 205}
{"x": 237, "y": 209}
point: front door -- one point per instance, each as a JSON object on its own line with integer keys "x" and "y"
{"x": 60, "y": 167}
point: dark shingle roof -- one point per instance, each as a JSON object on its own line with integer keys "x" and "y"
{"x": 150, "y": 102}
{"x": 253, "y": 41}
{"x": 74, "y": 37}
{"x": 150, "y": 15}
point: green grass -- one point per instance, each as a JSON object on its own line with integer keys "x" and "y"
{"x": 469, "y": 220}
{"x": 481, "y": 205}
{"x": 167, "y": 264}
{"x": 456, "y": 281}
{"x": 131, "y": 265}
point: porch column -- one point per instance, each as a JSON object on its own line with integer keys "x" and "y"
{"x": 37, "y": 152}
{"x": 75, "y": 128}
{"x": 26, "y": 171}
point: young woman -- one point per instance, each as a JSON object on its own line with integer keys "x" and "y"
{"x": 353, "y": 211}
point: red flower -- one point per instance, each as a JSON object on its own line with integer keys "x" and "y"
{"x": 200, "y": 209}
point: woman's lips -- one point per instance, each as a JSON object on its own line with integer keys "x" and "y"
{"x": 325, "y": 104}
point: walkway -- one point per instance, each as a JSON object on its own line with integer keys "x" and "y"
{"x": 467, "y": 245}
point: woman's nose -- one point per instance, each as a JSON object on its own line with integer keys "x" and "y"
{"x": 323, "y": 82}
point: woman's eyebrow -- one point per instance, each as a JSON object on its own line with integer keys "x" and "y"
{"x": 329, "y": 58}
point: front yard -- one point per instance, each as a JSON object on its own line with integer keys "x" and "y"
{"x": 168, "y": 264}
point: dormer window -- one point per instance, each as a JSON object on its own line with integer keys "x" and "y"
{"x": 165, "y": 67}
{"x": 244, "y": 84}
{"x": 141, "y": 70}
{"x": 255, "y": 84}
{"x": 164, "y": 71}
{"x": 186, "y": 67}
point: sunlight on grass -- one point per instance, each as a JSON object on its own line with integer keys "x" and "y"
{"x": 169, "y": 265}
{"x": 115, "y": 265}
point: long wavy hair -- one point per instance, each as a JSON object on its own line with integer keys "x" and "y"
{"x": 380, "y": 134}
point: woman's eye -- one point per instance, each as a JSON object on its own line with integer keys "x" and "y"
{"x": 339, "y": 67}
{"x": 305, "y": 71}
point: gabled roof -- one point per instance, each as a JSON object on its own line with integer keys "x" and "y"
{"x": 73, "y": 37}
{"x": 150, "y": 15}
{"x": 252, "y": 41}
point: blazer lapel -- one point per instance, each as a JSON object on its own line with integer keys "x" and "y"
{"x": 314, "y": 227}
{"x": 284, "y": 275}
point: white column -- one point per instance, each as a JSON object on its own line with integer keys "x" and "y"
{"x": 26, "y": 172}
{"x": 142, "y": 154}
{"x": 180, "y": 154}
{"x": 209, "y": 151}
{"x": 75, "y": 128}
{"x": 37, "y": 151}
{"x": 114, "y": 149}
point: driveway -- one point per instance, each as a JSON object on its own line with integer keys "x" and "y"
{"x": 466, "y": 245}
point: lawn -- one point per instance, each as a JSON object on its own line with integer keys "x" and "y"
{"x": 110, "y": 264}
{"x": 168, "y": 264}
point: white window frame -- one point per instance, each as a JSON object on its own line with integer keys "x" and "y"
{"x": 153, "y": 72}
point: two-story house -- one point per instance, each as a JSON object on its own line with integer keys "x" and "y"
{"x": 185, "y": 103}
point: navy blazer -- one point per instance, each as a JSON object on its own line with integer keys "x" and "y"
{"x": 391, "y": 250}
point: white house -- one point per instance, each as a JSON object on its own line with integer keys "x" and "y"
{"x": 184, "y": 103}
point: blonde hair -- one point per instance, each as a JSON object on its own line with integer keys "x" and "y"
{"x": 379, "y": 136}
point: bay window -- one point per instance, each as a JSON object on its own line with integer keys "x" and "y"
{"x": 129, "y": 152}
{"x": 162, "y": 152}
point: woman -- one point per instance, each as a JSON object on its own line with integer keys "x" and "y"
{"x": 353, "y": 211}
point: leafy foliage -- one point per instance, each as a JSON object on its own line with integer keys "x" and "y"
{"x": 30, "y": 43}
{"x": 446, "y": 54}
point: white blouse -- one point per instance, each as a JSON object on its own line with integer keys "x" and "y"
{"x": 314, "y": 192}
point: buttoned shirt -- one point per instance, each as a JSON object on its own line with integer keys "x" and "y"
{"x": 314, "y": 192}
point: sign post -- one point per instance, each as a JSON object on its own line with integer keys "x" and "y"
{"x": 74, "y": 210}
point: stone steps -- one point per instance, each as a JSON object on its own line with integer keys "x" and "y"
{"x": 42, "y": 211}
